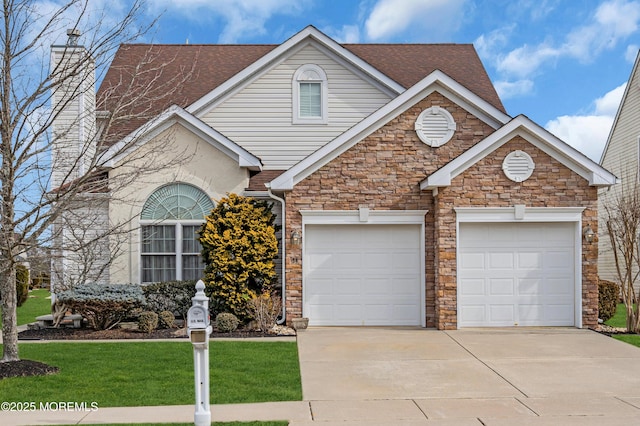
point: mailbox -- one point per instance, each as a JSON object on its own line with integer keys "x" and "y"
{"x": 199, "y": 328}
{"x": 198, "y": 324}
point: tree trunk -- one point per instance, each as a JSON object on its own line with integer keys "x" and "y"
{"x": 9, "y": 316}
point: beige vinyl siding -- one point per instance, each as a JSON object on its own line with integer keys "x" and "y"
{"x": 621, "y": 158}
{"x": 259, "y": 116}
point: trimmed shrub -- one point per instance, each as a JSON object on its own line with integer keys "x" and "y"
{"x": 227, "y": 322}
{"x": 147, "y": 321}
{"x": 608, "y": 298}
{"x": 22, "y": 284}
{"x": 239, "y": 246}
{"x": 166, "y": 319}
{"x": 104, "y": 306}
{"x": 264, "y": 309}
{"x": 172, "y": 296}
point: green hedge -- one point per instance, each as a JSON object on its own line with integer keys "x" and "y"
{"x": 608, "y": 298}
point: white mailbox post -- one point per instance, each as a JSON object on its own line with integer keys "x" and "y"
{"x": 199, "y": 329}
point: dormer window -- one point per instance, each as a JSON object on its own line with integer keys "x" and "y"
{"x": 309, "y": 90}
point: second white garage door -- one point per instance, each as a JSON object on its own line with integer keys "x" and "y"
{"x": 363, "y": 275}
{"x": 516, "y": 274}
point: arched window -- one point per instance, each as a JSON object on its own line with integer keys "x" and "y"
{"x": 309, "y": 91}
{"x": 169, "y": 221}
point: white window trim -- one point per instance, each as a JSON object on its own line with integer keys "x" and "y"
{"x": 365, "y": 216}
{"x": 178, "y": 253}
{"x": 295, "y": 93}
{"x": 520, "y": 213}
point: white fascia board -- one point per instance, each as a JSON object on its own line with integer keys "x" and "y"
{"x": 165, "y": 120}
{"x": 507, "y": 214}
{"x": 284, "y": 50}
{"x": 437, "y": 81}
{"x": 534, "y": 134}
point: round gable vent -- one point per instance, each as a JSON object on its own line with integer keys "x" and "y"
{"x": 435, "y": 126}
{"x": 518, "y": 166}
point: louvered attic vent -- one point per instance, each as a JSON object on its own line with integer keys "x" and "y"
{"x": 518, "y": 166}
{"x": 435, "y": 126}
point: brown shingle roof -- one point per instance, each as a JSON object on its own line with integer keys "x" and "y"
{"x": 257, "y": 182}
{"x": 182, "y": 74}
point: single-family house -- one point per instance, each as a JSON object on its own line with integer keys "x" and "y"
{"x": 408, "y": 196}
{"x": 621, "y": 156}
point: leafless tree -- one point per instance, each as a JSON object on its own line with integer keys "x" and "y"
{"x": 37, "y": 204}
{"x": 623, "y": 225}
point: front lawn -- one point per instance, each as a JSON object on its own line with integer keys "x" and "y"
{"x": 619, "y": 319}
{"x": 157, "y": 373}
{"x": 38, "y": 303}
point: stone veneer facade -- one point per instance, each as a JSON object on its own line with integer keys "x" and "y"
{"x": 384, "y": 172}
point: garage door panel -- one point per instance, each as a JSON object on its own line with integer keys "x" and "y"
{"x": 528, "y": 277}
{"x": 472, "y": 261}
{"x": 471, "y": 287}
{"x": 530, "y": 287}
{"x": 501, "y": 287}
{"x": 499, "y": 260}
{"x": 500, "y": 315}
{"x": 374, "y": 273}
{"x": 530, "y": 260}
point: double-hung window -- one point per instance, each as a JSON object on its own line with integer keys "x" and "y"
{"x": 309, "y": 90}
{"x": 170, "y": 221}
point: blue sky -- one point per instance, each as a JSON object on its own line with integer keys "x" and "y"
{"x": 563, "y": 63}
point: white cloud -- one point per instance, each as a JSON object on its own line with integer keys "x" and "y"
{"x": 391, "y": 17}
{"x": 347, "y": 34}
{"x": 631, "y": 53}
{"x": 612, "y": 22}
{"x": 242, "y": 18}
{"x": 511, "y": 89}
{"x": 524, "y": 61}
{"x": 588, "y": 133}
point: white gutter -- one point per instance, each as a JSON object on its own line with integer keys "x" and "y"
{"x": 284, "y": 257}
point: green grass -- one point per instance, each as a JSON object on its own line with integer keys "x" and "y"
{"x": 38, "y": 303}
{"x": 632, "y": 339}
{"x": 157, "y": 373}
{"x": 619, "y": 319}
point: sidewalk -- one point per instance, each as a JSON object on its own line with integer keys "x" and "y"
{"x": 297, "y": 411}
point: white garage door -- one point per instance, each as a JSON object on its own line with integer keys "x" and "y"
{"x": 362, "y": 275}
{"x": 516, "y": 274}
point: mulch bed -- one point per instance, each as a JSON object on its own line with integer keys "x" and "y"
{"x": 124, "y": 333}
{"x": 25, "y": 368}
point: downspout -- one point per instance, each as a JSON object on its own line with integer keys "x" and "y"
{"x": 284, "y": 252}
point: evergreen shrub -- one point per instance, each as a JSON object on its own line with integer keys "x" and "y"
{"x": 166, "y": 319}
{"x": 227, "y": 322}
{"x": 239, "y": 246}
{"x": 104, "y": 306}
{"x": 147, "y": 321}
{"x": 608, "y": 298}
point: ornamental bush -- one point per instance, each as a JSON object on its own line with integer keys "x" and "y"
{"x": 265, "y": 309}
{"x": 104, "y": 306}
{"x": 147, "y": 321}
{"x": 239, "y": 246}
{"x": 173, "y": 296}
{"x": 22, "y": 284}
{"x": 608, "y": 298}
{"x": 166, "y": 319}
{"x": 227, "y": 322}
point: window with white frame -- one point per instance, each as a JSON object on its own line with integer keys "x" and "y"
{"x": 169, "y": 222}
{"x": 309, "y": 90}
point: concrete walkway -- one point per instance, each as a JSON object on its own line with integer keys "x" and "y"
{"x": 391, "y": 376}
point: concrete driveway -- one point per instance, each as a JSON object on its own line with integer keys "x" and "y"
{"x": 539, "y": 376}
